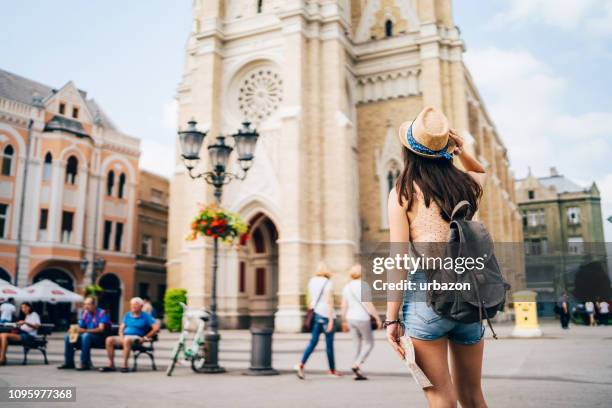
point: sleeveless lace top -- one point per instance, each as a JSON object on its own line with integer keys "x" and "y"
{"x": 426, "y": 223}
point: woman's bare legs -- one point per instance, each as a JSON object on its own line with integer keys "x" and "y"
{"x": 4, "y": 340}
{"x": 432, "y": 357}
{"x": 467, "y": 372}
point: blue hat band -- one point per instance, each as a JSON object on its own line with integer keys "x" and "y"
{"x": 416, "y": 146}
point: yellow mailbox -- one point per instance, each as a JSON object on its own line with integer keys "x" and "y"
{"x": 525, "y": 314}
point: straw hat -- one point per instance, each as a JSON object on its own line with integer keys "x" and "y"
{"x": 427, "y": 135}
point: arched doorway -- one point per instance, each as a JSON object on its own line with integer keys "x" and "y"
{"x": 258, "y": 271}
{"x": 110, "y": 299}
{"x": 4, "y": 275}
{"x": 59, "y": 314}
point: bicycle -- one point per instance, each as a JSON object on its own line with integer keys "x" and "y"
{"x": 195, "y": 352}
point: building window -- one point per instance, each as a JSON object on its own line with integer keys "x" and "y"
{"x": 42, "y": 224}
{"x": 3, "y": 218}
{"x": 536, "y": 246}
{"x": 143, "y": 289}
{"x": 48, "y": 167}
{"x": 389, "y": 28}
{"x": 163, "y": 247}
{"x": 157, "y": 196}
{"x": 75, "y": 112}
{"x": 118, "y": 235}
{"x": 536, "y": 218}
{"x": 108, "y": 229}
{"x": 110, "y": 182}
{"x": 7, "y": 160}
{"x": 392, "y": 175}
{"x": 259, "y": 6}
{"x": 146, "y": 245}
{"x": 62, "y": 108}
{"x": 575, "y": 245}
{"x": 531, "y": 194}
{"x": 67, "y": 224}
{"x": 242, "y": 278}
{"x": 573, "y": 215}
{"x": 258, "y": 241}
{"x": 260, "y": 281}
{"x": 72, "y": 167}
{"x": 121, "y": 191}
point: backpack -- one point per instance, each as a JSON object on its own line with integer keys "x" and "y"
{"x": 469, "y": 238}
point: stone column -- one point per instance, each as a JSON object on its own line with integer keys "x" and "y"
{"x": 292, "y": 244}
{"x": 338, "y": 160}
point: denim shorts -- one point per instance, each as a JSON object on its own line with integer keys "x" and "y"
{"x": 421, "y": 322}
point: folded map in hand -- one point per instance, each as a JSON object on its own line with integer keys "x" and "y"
{"x": 410, "y": 361}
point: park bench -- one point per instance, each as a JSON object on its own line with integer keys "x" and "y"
{"x": 147, "y": 347}
{"x": 38, "y": 343}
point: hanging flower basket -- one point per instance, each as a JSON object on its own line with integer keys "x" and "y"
{"x": 215, "y": 222}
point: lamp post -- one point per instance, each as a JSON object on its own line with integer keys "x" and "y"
{"x": 191, "y": 140}
{"x": 98, "y": 266}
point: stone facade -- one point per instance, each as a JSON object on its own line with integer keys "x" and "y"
{"x": 152, "y": 237}
{"x": 563, "y": 229}
{"x": 341, "y": 76}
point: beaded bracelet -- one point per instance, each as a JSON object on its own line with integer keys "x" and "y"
{"x": 388, "y": 323}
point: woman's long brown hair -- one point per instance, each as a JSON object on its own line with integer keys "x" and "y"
{"x": 439, "y": 180}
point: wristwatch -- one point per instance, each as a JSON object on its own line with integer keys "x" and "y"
{"x": 388, "y": 323}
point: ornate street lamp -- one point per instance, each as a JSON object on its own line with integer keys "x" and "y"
{"x": 98, "y": 266}
{"x": 191, "y": 140}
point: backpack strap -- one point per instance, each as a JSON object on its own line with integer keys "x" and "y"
{"x": 459, "y": 206}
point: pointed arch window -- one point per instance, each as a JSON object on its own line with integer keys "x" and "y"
{"x": 72, "y": 168}
{"x": 392, "y": 174}
{"x": 259, "y": 6}
{"x": 387, "y": 176}
{"x": 7, "y": 160}
{"x": 389, "y": 28}
{"x": 258, "y": 241}
{"x": 121, "y": 191}
{"x": 110, "y": 183}
{"x": 47, "y": 166}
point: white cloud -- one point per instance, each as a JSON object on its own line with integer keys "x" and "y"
{"x": 170, "y": 115}
{"x": 594, "y": 16}
{"x": 158, "y": 157}
{"x": 523, "y": 96}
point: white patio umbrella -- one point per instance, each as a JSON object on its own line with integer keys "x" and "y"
{"x": 8, "y": 291}
{"x": 49, "y": 291}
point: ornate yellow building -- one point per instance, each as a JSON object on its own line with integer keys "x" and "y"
{"x": 327, "y": 83}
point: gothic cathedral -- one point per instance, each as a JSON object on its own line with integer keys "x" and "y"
{"x": 326, "y": 83}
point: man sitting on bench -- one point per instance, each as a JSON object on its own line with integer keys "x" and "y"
{"x": 92, "y": 325}
{"x": 136, "y": 326}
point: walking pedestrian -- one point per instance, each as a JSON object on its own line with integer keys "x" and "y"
{"x": 357, "y": 318}
{"x": 604, "y": 310}
{"x": 564, "y": 311}
{"x": 321, "y": 294}
{"x": 589, "y": 308}
{"x": 426, "y": 192}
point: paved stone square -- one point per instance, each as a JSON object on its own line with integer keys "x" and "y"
{"x": 562, "y": 369}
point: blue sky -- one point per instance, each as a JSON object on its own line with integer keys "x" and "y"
{"x": 543, "y": 68}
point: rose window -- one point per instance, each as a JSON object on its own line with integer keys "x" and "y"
{"x": 260, "y": 94}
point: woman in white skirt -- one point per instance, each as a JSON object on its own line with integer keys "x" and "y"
{"x": 356, "y": 318}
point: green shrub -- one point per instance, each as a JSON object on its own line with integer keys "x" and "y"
{"x": 173, "y": 312}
